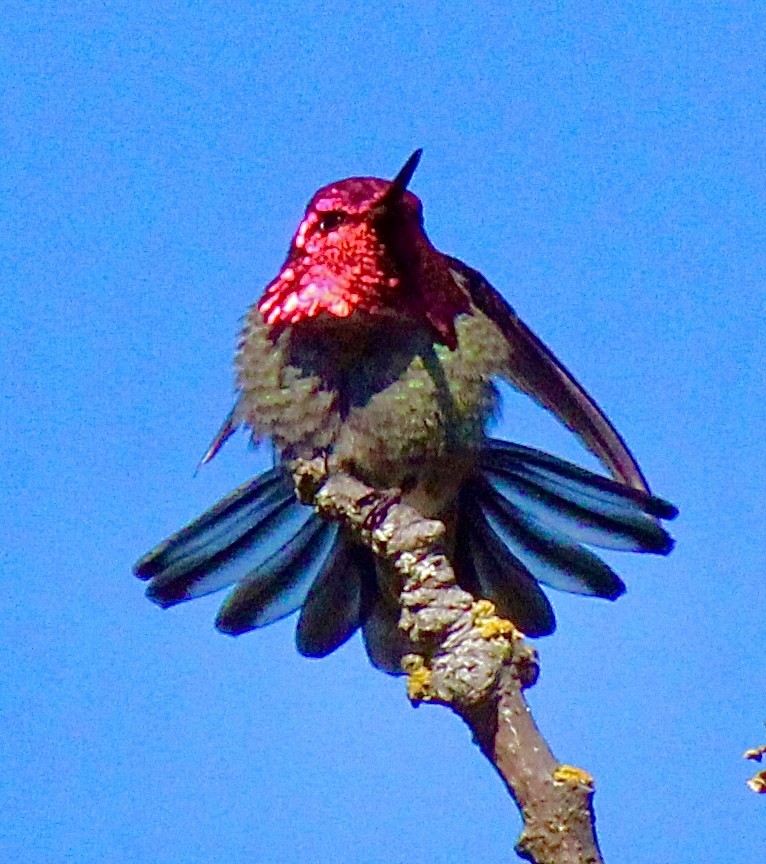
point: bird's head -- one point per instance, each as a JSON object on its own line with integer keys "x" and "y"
{"x": 361, "y": 250}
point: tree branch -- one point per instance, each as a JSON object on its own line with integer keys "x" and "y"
{"x": 758, "y": 781}
{"x": 466, "y": 657}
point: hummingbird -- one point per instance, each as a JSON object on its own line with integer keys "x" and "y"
{"x": 375, "y": 348}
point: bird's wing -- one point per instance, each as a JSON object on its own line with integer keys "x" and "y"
{"x": 228, "y": 428}
{"x": 536, "y": 371}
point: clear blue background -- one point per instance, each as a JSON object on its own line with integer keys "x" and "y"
{"x": 603, "y": 164}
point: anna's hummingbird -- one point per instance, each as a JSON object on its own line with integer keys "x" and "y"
{"x": 377, "y": 348}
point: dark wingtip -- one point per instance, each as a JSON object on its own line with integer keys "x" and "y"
{"x": 228, "y": 428}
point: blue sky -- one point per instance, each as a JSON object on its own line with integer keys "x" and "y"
{"x": 604, "y": 167}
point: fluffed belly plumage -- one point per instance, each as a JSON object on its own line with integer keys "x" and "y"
{"x": 393, "y": 407}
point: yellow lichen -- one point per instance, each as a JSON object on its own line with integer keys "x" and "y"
{"x": 418, "y": 677}
{"x": 572, "y": 775}
{"x": 491, "y": 625}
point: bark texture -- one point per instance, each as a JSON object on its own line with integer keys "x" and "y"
{"x": 467, "y": 658}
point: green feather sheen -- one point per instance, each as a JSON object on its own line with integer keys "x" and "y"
{"x": 385, "y": 398}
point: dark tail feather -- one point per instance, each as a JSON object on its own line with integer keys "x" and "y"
{"x": 281, "y": 556}
{"x": 574, "y": 484}
{"x": 335, "y": 605}
{"x": 486, "y": 567}
{"x": 345, "y": 596}
{"x": 259, "y": 536}
{"x": 385, "y": 643}
{"x": 214, "y": 530}
{"x": 552, "y": 558}
{"x": 542, "y": 508}
{"x": 280, "y": 585}
{"x": 232, "y": 540}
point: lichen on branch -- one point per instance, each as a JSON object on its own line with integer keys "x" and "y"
{"x": 466, "y": 657}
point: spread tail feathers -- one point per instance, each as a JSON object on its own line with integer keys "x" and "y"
{"x": 524, "y": 518}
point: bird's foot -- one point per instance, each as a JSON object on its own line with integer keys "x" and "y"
{"x": 382, "y": 501}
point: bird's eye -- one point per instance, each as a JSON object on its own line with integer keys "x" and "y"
{"x": 331, "y": 220}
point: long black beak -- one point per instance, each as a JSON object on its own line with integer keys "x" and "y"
{"x": 402, "y": 179}
{"x": 399, "y": 184}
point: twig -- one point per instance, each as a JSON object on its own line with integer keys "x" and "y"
{"x": 466, "y": 657}
{"x": 758, "y": 781}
